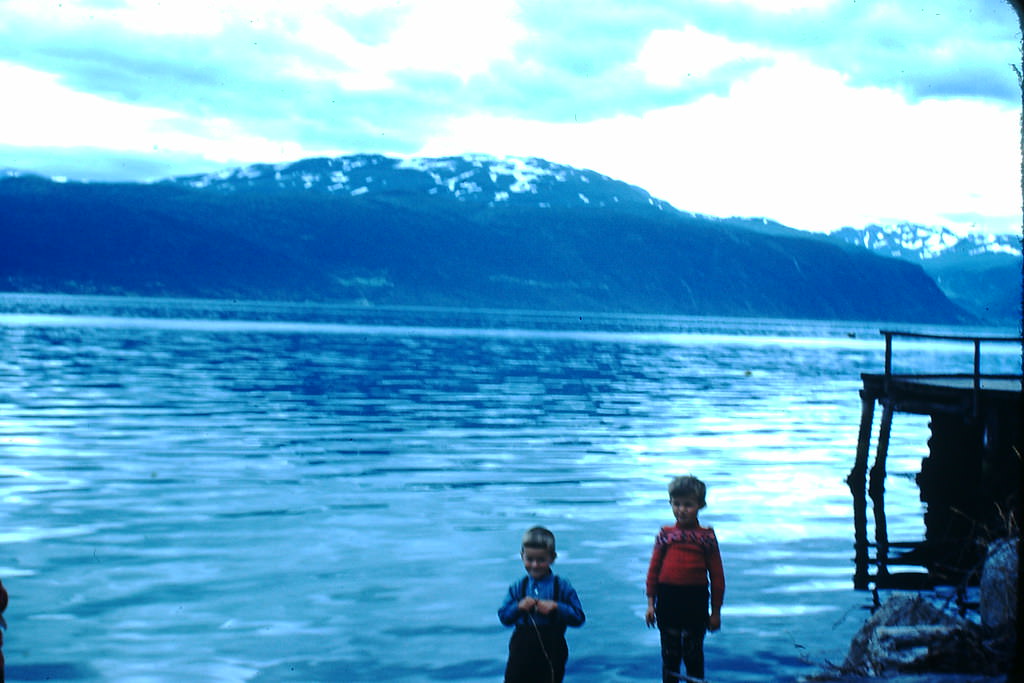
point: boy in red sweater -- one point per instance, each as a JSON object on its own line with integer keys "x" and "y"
{"x": 684, "y": 562}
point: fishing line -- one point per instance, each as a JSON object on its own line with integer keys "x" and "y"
{"x": 536, "y": 629}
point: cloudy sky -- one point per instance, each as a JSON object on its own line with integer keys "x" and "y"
{"x": 815, "y": 113}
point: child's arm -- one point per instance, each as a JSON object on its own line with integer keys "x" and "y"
{"x": 569, "y": 610}
{"x": 509, "y": 611}
{"x": 653, "y": 570}
{"x": 714, "y": 620}
{"x": 529, "y": 604}
{"x": 716, "y": 576}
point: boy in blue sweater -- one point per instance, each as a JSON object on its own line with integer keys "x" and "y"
{"x": 540, "y": 606}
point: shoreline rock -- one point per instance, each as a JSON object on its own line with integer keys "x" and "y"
{"x": 908, "y": 634}
{"x": 912, "y": 639}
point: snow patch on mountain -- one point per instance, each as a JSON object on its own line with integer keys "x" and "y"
{"x": 472, "y": 178}
{"x": 911, "y": 241}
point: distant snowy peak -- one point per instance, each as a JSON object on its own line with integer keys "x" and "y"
{"x": 470, "y": 179}
{"x": 919, "y": 242}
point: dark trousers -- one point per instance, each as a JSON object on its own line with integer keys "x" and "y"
{"x": 3, "y": 624}
{"x": 537, "y": 655}
{"x": 682, "y": 613}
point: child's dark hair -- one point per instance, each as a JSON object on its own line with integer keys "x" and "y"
{"x": 688, "y": 486}
{"x": 539, "y": 537}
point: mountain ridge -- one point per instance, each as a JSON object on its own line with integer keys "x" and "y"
{"x": 458, "y": 231}
{"x": 920, "y": 242}
{"x": 981, "y": 273}
{"x": 468, "y": 179}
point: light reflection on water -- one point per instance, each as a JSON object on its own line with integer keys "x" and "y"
{"x": 338, "y": 495}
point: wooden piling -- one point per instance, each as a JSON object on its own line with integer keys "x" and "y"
{"x": 876, "y": 489}
{"x": 857, "y": 481}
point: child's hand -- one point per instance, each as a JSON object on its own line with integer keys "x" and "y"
{"x": 714, "y": 621}
{"x": 546, "y": 607}
{"x": 527, "y": 604}
{"x": 649, "y": 617}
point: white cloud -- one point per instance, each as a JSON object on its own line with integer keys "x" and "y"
{"x": 779, "y": 6}
{"x": 669, "y": 57}
{"x": 181, "y": 17}
{"x": 47, "y": 114}
{"x": 793, "y": 143}
{"x": 459, "y": 37}
{"x": 462, "y": 37}
{"x": 354, "y": 65}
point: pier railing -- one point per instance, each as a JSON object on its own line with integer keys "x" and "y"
{"x": 976, "y": 376}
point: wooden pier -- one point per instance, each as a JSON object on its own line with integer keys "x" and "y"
{"x": 970, "y": 480}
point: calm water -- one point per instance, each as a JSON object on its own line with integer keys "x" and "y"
{"x": 216, "y": 491}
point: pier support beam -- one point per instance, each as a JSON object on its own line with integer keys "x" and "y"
{"x": 857, "y": 480}
{"x": 876, "y": 489}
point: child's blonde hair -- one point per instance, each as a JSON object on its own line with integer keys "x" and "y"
{"x": 688, "y": 485}
{"x": 539, "y": 537}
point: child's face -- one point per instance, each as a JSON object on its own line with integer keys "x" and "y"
{"x": 537, "y": 562}
{"x": 685, "y": 509}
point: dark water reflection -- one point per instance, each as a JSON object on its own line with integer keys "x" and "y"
{"x": 251, "y": 494}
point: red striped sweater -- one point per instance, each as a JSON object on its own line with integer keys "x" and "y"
{"x": 687, "y": 557}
